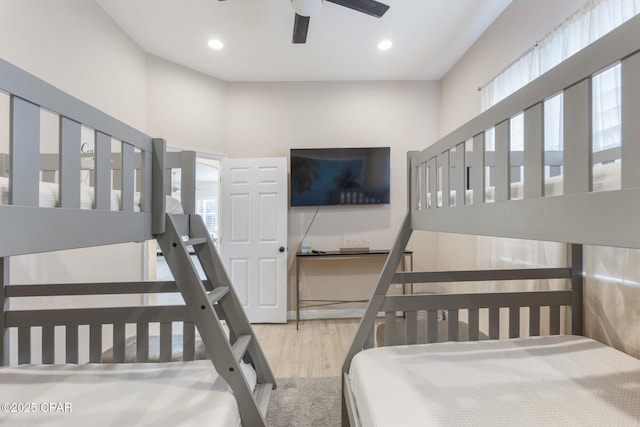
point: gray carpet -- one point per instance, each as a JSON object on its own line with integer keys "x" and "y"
{"x": 305, "y": 402}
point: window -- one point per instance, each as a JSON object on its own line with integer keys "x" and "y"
{"x": 589, "y": 23}
{"x": 208, "y": 210}
{"x": 592, "y": 21}
{"x": 207, "y": 193}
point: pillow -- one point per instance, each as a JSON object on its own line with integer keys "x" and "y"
{"x": 154, "y": 350}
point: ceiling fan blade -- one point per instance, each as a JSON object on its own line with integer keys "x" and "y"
{"x": 300, "y": 28}
{"x": 370, "y": 7}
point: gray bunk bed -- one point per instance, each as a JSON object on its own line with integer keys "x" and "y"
{"x": 511, "y": 378}
{"x": 53, "y": 369}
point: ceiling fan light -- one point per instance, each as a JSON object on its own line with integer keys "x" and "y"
{"x": 385, "y": 45}
{"x": 215, "y": 44}
{"x": 306, "y": 7}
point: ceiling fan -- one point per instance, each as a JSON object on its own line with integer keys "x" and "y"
{"x": 304, "y": 9}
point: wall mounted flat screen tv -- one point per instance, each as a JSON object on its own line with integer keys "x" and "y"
{"x": 340, "y": 176}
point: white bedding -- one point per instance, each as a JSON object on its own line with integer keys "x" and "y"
{"x": 150, "y": 394}
{"x": 541, "y": 381}
{"x": 606, "y": 177}
{"x": 49, "y": 197}
{"x": 130, "y": 345}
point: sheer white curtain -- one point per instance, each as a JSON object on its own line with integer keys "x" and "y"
{"x": 593, "y": 20}
{"x": 589, "y": 23}
{"x": 518, "y": 74}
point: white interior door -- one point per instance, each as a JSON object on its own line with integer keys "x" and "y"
{"x": 253, "y": 234}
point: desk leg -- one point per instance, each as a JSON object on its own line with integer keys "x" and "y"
{"x": 297, "y": 292}
{"x": 404, "y": 268}
{"x": 411, "y": 269}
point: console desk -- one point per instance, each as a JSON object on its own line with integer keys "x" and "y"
{"x": 407, "y": 265}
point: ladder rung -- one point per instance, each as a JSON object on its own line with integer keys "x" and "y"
{"x": 193, "y": 241}
{"x": 216, "y": 295}
{"x": 262, "y": 394}
{"x": 240, "y": 346}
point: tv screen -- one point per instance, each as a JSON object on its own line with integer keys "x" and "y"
{"x": 340, "y": 176}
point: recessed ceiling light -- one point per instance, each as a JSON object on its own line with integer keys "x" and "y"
{"x": 215, "y": 44}
{"x": 385, "y": 45}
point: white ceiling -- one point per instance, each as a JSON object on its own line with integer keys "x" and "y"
{"x": 428, "y": 36}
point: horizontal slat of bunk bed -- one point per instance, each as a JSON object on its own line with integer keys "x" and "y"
{"x": 28, "y": 230}
{"x": 153, "y": 339}
{"x": 87, "y": 316}
{"x": 481, "y": 275}
{"x": 434, "y": 302}
{"x": 568, "y": 218}
{"x": 59, "y": 289}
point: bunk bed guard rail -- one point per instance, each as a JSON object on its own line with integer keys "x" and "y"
{"x": 439, "y": 197}
{"x": 141, "y": 179}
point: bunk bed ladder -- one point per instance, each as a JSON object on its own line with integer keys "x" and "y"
{"x": 211, "y": 302}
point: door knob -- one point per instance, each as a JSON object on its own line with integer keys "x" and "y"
{"x": 281, "y": 249}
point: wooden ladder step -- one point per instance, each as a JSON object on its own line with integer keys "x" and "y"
{"x": 217, "y": 294}
{"x": 262, "y": 394}
{"x": 240, "y": 346}
{"x": 194, "y": 241}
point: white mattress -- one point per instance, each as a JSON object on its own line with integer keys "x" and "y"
{"x": 150, "y": 394}
{"x": 542, "y": 381}
{"x": 49, "y": 197}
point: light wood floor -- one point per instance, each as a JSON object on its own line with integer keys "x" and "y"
{"x": 317, "y": 349}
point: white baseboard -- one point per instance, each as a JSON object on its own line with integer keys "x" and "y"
{"x": 346, "y": 313}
